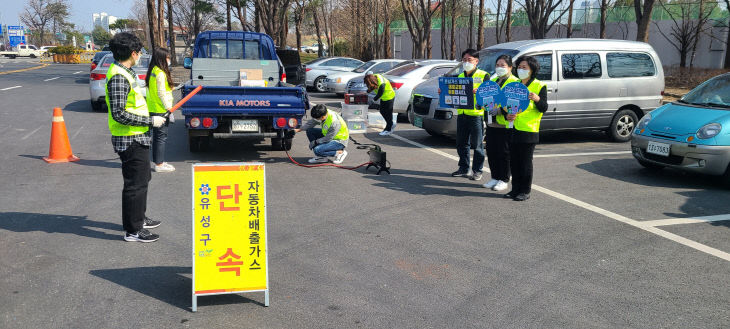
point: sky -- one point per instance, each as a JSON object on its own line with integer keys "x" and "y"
{"x": 81, "y": 11}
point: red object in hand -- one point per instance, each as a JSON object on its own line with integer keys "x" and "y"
{"x": 182, "y": 101}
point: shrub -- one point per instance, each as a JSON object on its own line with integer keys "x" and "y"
{"x": 63, "y": 50}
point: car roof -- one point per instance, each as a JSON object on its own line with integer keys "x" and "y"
{"x": 572, "y": 44}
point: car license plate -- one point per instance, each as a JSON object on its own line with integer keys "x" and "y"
{"x": 245, "y": 125}
{"x": 658, "y": 148}
{"x": 418, "y": 122}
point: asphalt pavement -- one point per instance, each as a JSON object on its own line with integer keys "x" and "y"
{"x": 602, "y": 243}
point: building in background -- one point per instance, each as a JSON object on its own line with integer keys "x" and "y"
{"x": 103, "y": 20}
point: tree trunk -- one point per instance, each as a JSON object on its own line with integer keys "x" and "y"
{"x": 727, "y": 42}
{"x": 497, "y": 26}
{"x": 386, "y": 30}
{"x": 508, "y": 21}
{"x": 161, "y": 23}
{"x": 257, "y": 18}
{"x": 152, "y": 19}
{"x": 569, "y": 32}
{"x": 327, "y": 30}
{"x": 480, "y": 26}
{"x": 643, "y": 17}
{"x": 444, "y": 7}
{"x": 228, "y": 16}
{"x": 604, "y": 9}
{"x": 319, "y": 35}
{"x": 171, "y": 33}
{"x": 241, "y": 11}
{"x": 471, "y": 24}
{"x": 452, "y": 53}
{"x": 358, "y": 45}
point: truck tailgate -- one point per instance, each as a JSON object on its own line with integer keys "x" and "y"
{"x": 222, "y": 100}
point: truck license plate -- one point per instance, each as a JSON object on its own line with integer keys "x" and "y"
{"x": 658, "y": 148}
{"x": 245, "y": 125}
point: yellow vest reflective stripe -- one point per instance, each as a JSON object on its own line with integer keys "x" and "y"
{"x": 154, "y": 103}
{"x": 343, "y": 134}
{"x": 529, "y": 120}
{"x": 136, "y": 104}
{"x": 478, "y": 78}
{"x": 500, "y": 117}
{"x": 388, "y": 92}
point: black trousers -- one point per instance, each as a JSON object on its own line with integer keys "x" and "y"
{"x": 386, "y": 110}
{"x": 521, "y": 166}
{"x": 498, "y": 153}
{"x": 136, "y": 173}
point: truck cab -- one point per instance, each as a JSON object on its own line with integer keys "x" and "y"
{"x": 244, "y": 92}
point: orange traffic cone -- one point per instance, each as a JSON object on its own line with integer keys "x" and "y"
{"x": 60, "y": 150}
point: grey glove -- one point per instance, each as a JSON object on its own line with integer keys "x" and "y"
{"x": 158, "y": 121}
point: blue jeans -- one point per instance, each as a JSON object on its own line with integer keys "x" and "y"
{"x": 470, "y": 132}
{"x": 159, "y": 139}
{"x": 328, "y": 149}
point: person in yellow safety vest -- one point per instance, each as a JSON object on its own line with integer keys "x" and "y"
{"x": 526, "y": 129}
{"x": 497, "y": 133}
{"x": 470, "y": 122}
{"x": 328, "y": 141}
{"x": 159, "y": 100}
{"x": 129, "y": 123}
{"x": 386, "y": 94}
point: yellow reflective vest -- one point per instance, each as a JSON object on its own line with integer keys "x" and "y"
{"x": 154, "y": 103}
{"x": 388, "y": 92}
{"x": 529, "y": 120}
{"x": 343, "y": 134}
{"x": 136, "y": 104}
{"x": 478, "y": 77}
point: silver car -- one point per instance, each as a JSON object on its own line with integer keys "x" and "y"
{"x": 337, "y": 81}
{"x": 318, "y": 69}
{"x": 591, "y": 83}
{"x": 97, "y": 79}
{"x": 406, "y": 77}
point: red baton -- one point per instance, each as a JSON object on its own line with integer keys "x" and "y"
{"x": 182, "y": 101}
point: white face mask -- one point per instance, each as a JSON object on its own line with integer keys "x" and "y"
{"x": 468, "y": 66}
{"x": 523, "y": 74}
{"x": 501, "y": 71}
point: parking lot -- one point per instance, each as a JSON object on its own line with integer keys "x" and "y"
{"x": 602, "y": 243}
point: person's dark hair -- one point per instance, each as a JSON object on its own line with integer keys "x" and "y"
{"x": 123, "y": 44}
{"x": 506, "y": 58}
{"x": 531, "y": 62}
{"x": 371, "y": 82}
{"x": 318, "y": 111}
{"x": 159, "y": 59}
{"x": 471, "y": 52}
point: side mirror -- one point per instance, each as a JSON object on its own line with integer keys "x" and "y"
{"x": 187, "y": 62}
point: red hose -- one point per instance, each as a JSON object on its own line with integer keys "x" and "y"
{"x": 325, "y": 164}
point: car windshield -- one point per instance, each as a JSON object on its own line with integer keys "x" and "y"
{"x": 487, "y": 59}
{"x": 403, "y": 70}
{"x": 316, "y": 60}
{"x": 714, "y": 92}
{"x": 362, "y": 68}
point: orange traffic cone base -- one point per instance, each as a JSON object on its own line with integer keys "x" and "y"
{"x": 71, "y": 158}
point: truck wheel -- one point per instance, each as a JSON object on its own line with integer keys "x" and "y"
{"x": 319, "y": 84}
{"x": 198, "y": 144}
{"x": 622, "y": 126}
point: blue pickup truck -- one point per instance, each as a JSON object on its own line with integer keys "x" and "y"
{"x": 244, "y": 93}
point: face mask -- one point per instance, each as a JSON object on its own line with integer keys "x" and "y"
{"x": 523, "y": 74}
{"x": 468, "y": 66}
{"x": 501, "y": 71}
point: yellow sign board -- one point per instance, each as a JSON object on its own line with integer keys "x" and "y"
{"x": 229, "y": 229}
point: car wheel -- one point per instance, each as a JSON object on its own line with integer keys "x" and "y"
{"x": 650, "y": 165}
{"x": 622, "y": 126}
{"x": 32, "y": 55}
{"x": 409, "y": 114}
{"x": 319, "y": 84}
{"x": 433, "y": 133}
{"x": 96, "y": 106}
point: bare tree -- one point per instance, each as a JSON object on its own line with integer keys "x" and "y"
{"x": 195, "y": 16}
{"x": 273, "y": 15}
{"x": 569, "y": 31}
{"x": 387, "y": 19}
{"x": 685, "y": 31}
{"x": 727, "y": 42}
{"x": 319, "y": 34}
{"x": 604, "y": 9}
{"x": 480, "y": 26}
{"x": 539, "y": 14}
{"x": 37, "y": 16}
{"x": 153, "y": 24}
{"x": 418, "y": 14}
{"x": 299, "y": 6}
{"x": 643, "y": 17}
{"x": 452, "y": 33}
{"x": 241, "y": 13}
{"x": 171, "y": 33}
{"x": 161, "y": 23}
{"x": 505, "y": 24}
{"x": 471, "y": 24}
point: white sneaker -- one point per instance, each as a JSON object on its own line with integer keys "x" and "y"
{"x": 340, "y": 157}
{"x": 318, "y": 160}
{"x": 164, "y": 167}
{"x": 392, "y": 128}
{"x": 500, "y": 186}
{"x": 490, "y": 183}
{"x": 384, "y": 133}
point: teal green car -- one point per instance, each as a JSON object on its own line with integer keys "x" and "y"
{"x": 691, "y": 134}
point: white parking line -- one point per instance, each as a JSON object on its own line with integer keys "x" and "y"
{"x": 671, "y": 236}
{"x": 78, "y": 72}
{"x": 31, "y": 133}
{"x": 579, "y": 154}
{"x": 51, "y": 79}
{"x": 8, "y": 88}
{"x": 691, "y": 220}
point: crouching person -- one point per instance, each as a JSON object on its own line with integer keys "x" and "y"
{"x": 329, "y": 141}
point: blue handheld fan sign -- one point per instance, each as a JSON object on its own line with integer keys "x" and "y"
{"x": 457, "y": 93}
{"x": 516, "y": 98}
{"x": 490, "y": 96}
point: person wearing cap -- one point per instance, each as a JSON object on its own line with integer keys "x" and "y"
{"x": 470, "y": 122}
{"x": 386, "y": 95}
{"x": 328, "y": 141}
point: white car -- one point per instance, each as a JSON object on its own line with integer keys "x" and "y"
{"x": 337, "y": 82}
{"x": 406, "y": 77}
{"x": 318, "y": 69}
{"x": 314, "y": 48}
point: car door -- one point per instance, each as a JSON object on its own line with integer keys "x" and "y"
{"x": 581, "y": 100}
